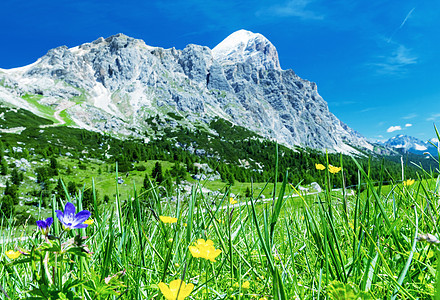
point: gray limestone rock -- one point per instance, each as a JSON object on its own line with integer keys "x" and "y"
{"x": 115, "y": 84}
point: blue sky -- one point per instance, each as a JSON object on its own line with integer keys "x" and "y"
{"x": 376, "y": 63}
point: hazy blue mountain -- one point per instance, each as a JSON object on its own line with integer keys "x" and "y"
{"x": 411, "y": 144}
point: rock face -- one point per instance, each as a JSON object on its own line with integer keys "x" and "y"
{"x": 115, "y": 84}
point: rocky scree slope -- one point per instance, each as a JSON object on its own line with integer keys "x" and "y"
{"x": 113, "y": 85}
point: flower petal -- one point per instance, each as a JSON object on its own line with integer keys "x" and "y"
{"x": 79, "y": 226}
{"x": 49, "y": 221}
{"x": 82, "y": 216}
{"x": 12, "y": 254}
{"x": 69, "y": 209}
{"x": 60, "y": 215}
{"x": 165, "y": 290}
{"x": 185, "y": 291}
{"x": 195, "y": 252}
{"x": 41, "y": 224}
{"x": 175, "y": 285}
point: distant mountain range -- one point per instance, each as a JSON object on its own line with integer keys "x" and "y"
{"x": 115, "y": 85}
{"x": 410, "y": 144}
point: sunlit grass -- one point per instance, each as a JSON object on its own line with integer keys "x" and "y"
{"x": 358, "y": 245}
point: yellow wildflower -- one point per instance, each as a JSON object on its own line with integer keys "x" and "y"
{"x": 333, "y": 169}
{"x": 12, "y": 254}
{"x": 246, "y": 285}
{"x": 89, "y": 222}
{"x": 319, "y": 167}
{"x": 204, "y": 250}
{"x": 166, "y": 219}
{"x": 409, "y": 182}
{"x": 178, "y": 289}
{"x": 232, "y": 201}
{"x": 263, "y": 298}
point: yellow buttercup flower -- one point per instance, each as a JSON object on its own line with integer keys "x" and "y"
{"x": 178, "y": 289}
{"x": 246, "y": 285}
{"x": 232, "y": 201}
{"x": 12, "y": 254}
{"x": 333, "y": 169}
{"x": 89, "y": 222}
{"x": 319, "y": 167}
{"x": 168, "y": 220}
{"x": 204, "y": 250}
{"x": 409, "y": 182}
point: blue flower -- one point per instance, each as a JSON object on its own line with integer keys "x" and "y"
{"x": 70, "y": 220}
{"x": 44, "y": 226}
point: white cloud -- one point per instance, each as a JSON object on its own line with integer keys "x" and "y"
{"x": 433, "y": 117}
{"x": 292, "y": 8}
{"x": 397, "y": 62}
{"x": 410, "y": 116}
{"x": 394, "y": 128}
{"x": 434, "y": 140}
{"x": 408, "y": 125}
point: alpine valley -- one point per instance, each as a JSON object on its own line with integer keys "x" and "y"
{"x": 115, "y": 85}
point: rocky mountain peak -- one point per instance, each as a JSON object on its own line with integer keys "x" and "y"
{"x": 410, "y": 144}
{"x": 116, "y": 84}
{"x": 244, "y": 46}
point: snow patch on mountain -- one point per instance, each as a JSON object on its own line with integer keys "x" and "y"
{"x": 245, "y": 46}
{"x": 420, "y": 147}
{"x": 410, "y": 144}
{"x": 102, "y": 99}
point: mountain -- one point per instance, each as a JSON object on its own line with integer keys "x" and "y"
{"x": 116, "y": 85}
{"x": 410, "y": 144}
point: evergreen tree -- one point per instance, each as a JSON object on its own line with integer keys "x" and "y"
{"x": 4, "y": 169}
{"x": 12, "y": 191}
{"x": 88, "y": 200}
{"x": 157, "y": 173}
{"x": 7, "y": 206}
{"x": 53, "y": 166}
{"x": 53, "y": 163}
{"x": 42, "y": 175}
{"x": 71, "y": 188}
{"x": 15, "y": 177}
{"x": 247, "y": 193}
{"x": 59, "y": 189}
{"x": 168, "y": 182}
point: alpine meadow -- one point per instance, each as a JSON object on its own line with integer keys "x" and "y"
{"x": 129, "y": 171}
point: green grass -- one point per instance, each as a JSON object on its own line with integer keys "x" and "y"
{"x": 66, "y": 117}
{"x": 47, "y": 111}
{"x": 20, "y": 118}
{"x": 320, "y": 246}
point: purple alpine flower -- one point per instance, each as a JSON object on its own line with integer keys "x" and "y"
{"x": 44, "y": 226}
{"x": 70, "y": 220}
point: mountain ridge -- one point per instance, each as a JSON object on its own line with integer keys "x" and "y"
{"x": 410, "y": 144}
{"x": 112, "y": 85}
